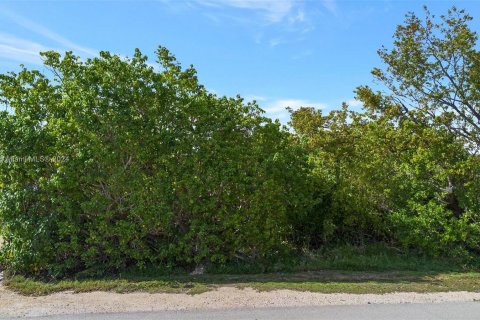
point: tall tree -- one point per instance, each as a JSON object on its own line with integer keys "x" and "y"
{"x": 433, "y": 72}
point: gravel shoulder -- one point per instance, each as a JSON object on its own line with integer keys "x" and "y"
{"x": 16, "y": 305}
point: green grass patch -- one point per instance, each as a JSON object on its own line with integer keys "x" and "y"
{"x": 28, "y": 286}
{"x": 378, "y": 283}
{"x": 370, "y": 269}
{"x": 373, "y": 257}
{"x": 315, "y": 281}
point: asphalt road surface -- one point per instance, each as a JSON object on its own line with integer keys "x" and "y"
{"x": 447, "y": 310}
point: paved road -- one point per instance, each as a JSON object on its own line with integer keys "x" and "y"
{"x": 443, "y": 311}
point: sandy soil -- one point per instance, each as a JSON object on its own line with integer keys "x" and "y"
{"x": 12, "y": 304}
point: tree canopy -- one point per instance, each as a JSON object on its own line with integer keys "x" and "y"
{"x": 433, "y": 71}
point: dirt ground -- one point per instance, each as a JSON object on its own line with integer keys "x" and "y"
{"x": 13, "y": 304}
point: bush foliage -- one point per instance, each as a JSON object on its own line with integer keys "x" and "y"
{"x": 133, "y": 166}
{"x": 111, "y": 163}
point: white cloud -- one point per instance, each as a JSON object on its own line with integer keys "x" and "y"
{"x": 273, "y": 10}
{"x": 280, "y": 106}
{"x": 330, "y": 5}
{"x": 14, "y": 48}
{"x": 18, "y": 54}
{"x": 27, "y": 51}
{"x": 46, "y": 33}
{"x": 274, "y": 22}
{"x": 299, "y": 17}
{"x": 276, "y": 42}
{"x": 277, "y": 109}
{"x": 354, "y": 103}
{"x": 252, "y": 97}
{"x": 302, "y": 54}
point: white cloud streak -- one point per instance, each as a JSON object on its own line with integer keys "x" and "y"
{"x": 46, "y": 33}
{"x": 273, "y": 10}
{"x": 354, "y": 103}
{"x": 330, "y": 5}
{"x": 17, "y": 49}
{"x": 252, "y": 97}
{"x": 276, "y": 22}
{"x": 27, "y": 51}
{"x": 276, "y": 42}
{"x": 280, "y": 106}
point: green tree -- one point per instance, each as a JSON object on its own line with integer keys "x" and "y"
{"x": 433, "y": 72}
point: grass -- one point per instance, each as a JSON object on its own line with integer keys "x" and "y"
{"x": 27, "y": 286}
{"x": 379, "y": 283}
{"x": 374, "y": 257}
{"x": 340, "y": 270}
{"x": 316, "y": 281}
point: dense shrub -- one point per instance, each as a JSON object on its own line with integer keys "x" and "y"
{"x": 380, "y": 179}
{"x": 110, "y": 163}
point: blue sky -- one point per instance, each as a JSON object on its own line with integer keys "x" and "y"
{"x": 279, "y": 52}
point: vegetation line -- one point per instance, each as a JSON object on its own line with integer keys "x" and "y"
{"x": 324, "y": 282}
